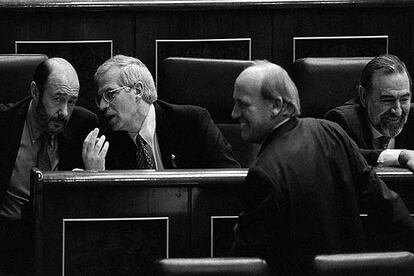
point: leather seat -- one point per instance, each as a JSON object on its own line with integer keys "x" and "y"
{"x": 365, "y": 264}
{"x": 325, "y": 83}
{"x": 208, "y": 83}
{"x": 16, "y": 73}
{"x": 212, "y": 267}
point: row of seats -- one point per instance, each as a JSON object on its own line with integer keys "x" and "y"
{"x": 359, "y": 264}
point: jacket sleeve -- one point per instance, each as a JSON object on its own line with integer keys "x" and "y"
{"x": 261, "y": 223}
{"x": 386, "y": 210}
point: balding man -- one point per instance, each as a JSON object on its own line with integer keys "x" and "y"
{"x": 303, "y": 191}
{"x": 46, "y": 131}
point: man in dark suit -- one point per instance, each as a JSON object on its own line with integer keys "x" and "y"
{"x": 303, "y": 194}
{"x": 379, "y": 119}
{"x": 146, "y": 133}
{"x": 45, "y": 130}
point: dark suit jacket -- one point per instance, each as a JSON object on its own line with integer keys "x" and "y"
{"x": 304, "y": 195}
{"x": 70, "y": 141}
{"x": 187, "y": 138}
{"x": 353, "y": 118}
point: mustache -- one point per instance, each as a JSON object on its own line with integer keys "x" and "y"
{"x": 389, "y": 115}
{"x": 58, "y": 119}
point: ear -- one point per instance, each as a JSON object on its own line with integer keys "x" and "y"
{"x": 34, "y": 91}
{"x": 363, "y": 94}
{"x": 139, "y": 86}
{"x": 277, "y": 105}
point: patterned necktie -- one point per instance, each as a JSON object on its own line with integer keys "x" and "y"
{"x": 383, "y": 142}
{"x": 144, "y": 154}
{"x": 43, "y": 159}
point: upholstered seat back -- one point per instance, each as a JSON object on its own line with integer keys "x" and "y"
{"x": 16, "y": 73}
{"x": 208, "y": 83}
{"x": 212, "y": 267}
{"x": 365, "y": 264}
{"x": 325, "y": 83}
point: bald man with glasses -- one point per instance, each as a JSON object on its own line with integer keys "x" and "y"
{"x": 145, "y": 133}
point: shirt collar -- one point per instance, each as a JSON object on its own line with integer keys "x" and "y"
{"x": 147, "y": 130}
{"x": 375, "y": 133}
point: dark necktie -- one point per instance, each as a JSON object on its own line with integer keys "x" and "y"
{"x": 383, "y": 141}
{"x": 43, "y": 159}
{"x": 144, "y": 154}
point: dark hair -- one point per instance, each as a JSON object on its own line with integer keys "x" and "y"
{"x": 387, "y": 64}
{"x": 40, "y": 76}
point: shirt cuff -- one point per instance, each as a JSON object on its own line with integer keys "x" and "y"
{"x": 389, "y": 157}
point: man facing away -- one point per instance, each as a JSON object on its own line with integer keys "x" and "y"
{"x": 46, "y": 131}
{"x": 306, "y": 189}
{"x": 379, "y": 119}
{"x": 146, "y": 133}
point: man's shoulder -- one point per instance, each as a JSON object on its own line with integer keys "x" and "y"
{"x": 345, "y": 110}
{"x": 180, "y": 108}
{"x": 180, "y": 111}
{"x": 83, "y": 112}
{"x": 9, "y": 111}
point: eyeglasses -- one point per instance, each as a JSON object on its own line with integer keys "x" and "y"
{"x": 108, "y": 95}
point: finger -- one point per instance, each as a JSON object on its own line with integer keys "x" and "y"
{"x": 104, "y": 150}
{"x": 99, "y": 144}
{"x": 92, "y": 140}
{"x": 86, "y": 143}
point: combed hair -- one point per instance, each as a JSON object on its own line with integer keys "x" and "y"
{"x": 277, "y": 82}
{"x": 132, "y": 70}
{"x": 387, "y": 64}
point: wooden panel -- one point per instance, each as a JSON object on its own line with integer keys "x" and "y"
{"x": 189, "y": 198}
{"x": 202, "y": 24}
{"x": 340, "y": 22}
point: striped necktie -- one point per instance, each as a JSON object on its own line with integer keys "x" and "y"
{"x": 144, "y": 156}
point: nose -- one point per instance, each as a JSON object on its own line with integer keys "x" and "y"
{"x": 235, "y": 113}
{"x": 396, "y": 109}
{"x": 103, "y": 104}
{"x": 65, "y": 110}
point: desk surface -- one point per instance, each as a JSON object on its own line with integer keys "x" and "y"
{"x": 182, "y": 177}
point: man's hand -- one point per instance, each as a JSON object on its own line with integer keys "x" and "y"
{"x": 406, "y": 159}
{"x": 94, "y": 151}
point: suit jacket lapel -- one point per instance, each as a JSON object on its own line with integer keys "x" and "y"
{"x": 166, "y": 134}
{"x": 366, "y": 134}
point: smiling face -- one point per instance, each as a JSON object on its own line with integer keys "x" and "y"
{"x": 127, "y": 110}
{"x": 255, "y": 114}
{"x": 388, "y": 102}
{"x": 55, "y": 105}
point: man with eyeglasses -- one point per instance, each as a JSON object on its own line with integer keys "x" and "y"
{"x": 45, "y": 130}
{"x": 146, "y": 133}
{"x": 379, "y": 120}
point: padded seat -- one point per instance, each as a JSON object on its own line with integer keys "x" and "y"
{"x": 16, "y": 74}
{"x": 365, "y": 264}
{"x": 212, "y": 267}
{"x": 208, "y": 83}
{"x": 325, "y": 83}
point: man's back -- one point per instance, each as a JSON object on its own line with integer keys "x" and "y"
{"x": 303, "y": 194}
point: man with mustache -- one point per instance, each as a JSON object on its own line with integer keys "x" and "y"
{"x": 379, "y": 120}
{"x": 46, "y": 131}
{"x": 147, "y": 133}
